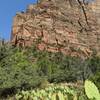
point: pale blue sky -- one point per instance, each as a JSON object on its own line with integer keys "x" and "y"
{"x": 8, "y": 9}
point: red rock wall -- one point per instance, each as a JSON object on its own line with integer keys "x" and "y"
{"x": 56, "y": 26}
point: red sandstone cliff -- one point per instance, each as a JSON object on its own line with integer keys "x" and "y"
{"x": 57, "y": 25}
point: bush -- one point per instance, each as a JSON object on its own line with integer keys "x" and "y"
{"x": 58, "y": 67}
{"x": 95, "y": 64}
{"x": 96, "y": 79}
{"x": 26, "y": 68}
{"x": 53, "y": 92}
{"x": 62, "y": 92}
{"x": 18, "y": 72}
{"x": 95, "y": 67}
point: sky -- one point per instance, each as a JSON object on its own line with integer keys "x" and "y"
{"x": 8, "y": 9}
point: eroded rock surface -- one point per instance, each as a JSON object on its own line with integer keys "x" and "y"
{"x": 57, "y": 25}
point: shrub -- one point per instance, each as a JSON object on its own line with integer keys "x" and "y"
{"x": 96, "y": 79}
{"x": 26, "y": 68}
{"x": 95, "y": 64}
{"x": 61, "y": 92}
{"x": 54, "y": 92}
{"x": 95, "y": 67}
{"x": 18, "y": 72}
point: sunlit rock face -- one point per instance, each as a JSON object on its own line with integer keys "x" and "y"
{"x": 96, "y": 6}
{"x": 57, "y": 26}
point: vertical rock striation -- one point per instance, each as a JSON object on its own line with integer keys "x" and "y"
{"x": 57, "y": 26}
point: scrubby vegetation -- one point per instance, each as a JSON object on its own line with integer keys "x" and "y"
{"x": 26, "y": 69}
{"x": 54, "y": 92}
{"x": 62, "y": 92}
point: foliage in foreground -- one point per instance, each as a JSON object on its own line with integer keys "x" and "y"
{"x": 61, "y": 92}
{"x": 27, "y": 68}
{"x": 55, "y": 92}
{"x": 91, "y": 90}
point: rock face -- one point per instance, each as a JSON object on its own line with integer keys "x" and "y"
{"x": 57, "y": 26}
{"x": 96, "y": 6}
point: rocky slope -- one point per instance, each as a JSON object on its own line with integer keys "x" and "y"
{"x": 57, "y": 26}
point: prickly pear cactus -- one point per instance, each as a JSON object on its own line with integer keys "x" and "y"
{"x": 91, "y": 90}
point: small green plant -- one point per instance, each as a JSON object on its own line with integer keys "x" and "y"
{"x": 61, "y": 92}
{"x": 53, "y": 92}
{"x": 91, "y": 90}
